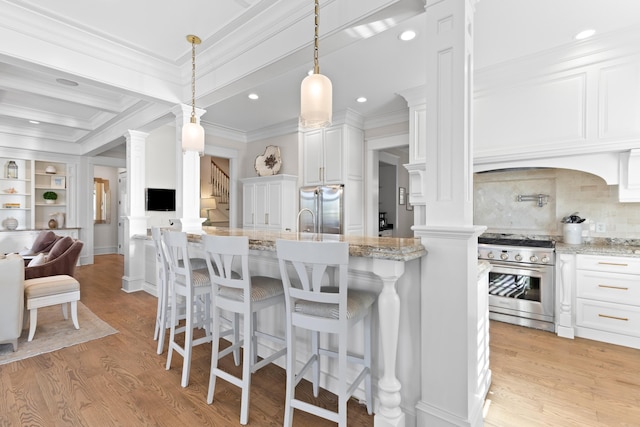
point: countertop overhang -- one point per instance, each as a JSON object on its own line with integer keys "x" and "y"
{"x": 390, "y": 248}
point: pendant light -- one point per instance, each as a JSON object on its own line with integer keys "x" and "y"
{"x": 192, "y": 132}
{"x": 315, "y": 91}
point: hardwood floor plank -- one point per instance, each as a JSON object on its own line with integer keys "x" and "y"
{"x": 538, "y": 378}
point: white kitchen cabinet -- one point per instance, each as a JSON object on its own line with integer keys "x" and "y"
{"x": 335, "y": 155}
{"x": 608, "y": 299}
{"x": 323, "y": 156}
{"x": 269, "y": 202}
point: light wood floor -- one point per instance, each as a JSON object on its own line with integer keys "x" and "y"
{"x": 538, "y": 379}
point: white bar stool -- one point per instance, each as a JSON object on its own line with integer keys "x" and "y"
{"x": 244, "y": 295}
{"x": 316, "y": 307}
{"x": 195, "y": 287}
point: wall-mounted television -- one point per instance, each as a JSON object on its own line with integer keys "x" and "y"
{"x": 161, "y": 199}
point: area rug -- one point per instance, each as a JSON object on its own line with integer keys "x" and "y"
{"x": 54, "y": 333}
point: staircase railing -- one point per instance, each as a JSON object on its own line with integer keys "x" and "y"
{"x": 219, "y": 183}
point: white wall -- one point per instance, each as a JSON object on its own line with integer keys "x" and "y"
{"x": 160, "y": 169}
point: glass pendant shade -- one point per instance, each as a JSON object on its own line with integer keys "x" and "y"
{"x": 193, "y": 137}
{"x": 316, "y": 93}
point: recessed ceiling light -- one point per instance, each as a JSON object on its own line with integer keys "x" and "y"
{"x": 585, "y": 34}
{"x": 67, "y": 82}
{"x": 34, "y": 122}
{"x": 361, "y": 99}
{"x": 253, "y": 96}
{"x": 405, "y": 36}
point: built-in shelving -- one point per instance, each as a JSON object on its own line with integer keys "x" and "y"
{"x": 22, "y": 197}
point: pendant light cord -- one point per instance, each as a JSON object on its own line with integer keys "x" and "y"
{"x": 193, "y": 80}
{"x": 316, "y": 66}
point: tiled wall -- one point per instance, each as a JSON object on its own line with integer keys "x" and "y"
{"x": 569, "y": 191}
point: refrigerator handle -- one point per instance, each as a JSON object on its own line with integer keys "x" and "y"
{"x": 318, "y": 209}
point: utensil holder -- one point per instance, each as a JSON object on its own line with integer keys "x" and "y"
{"x": 572, "y": 234}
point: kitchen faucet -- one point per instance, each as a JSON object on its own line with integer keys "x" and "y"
{"x": 313, "y": 218}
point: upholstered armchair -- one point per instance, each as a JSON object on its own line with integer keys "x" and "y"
{"x": 61, "y": 259}
{"x": 43, "y": 244}
{"x": 12, "y": 300}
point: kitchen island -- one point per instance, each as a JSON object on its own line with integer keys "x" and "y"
{"x": 388, "y": 266}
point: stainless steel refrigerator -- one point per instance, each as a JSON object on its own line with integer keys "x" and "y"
{"x": 326, "y": 204}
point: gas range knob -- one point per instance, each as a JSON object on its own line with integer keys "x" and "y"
{"x": 533, "y": 258}
{"x": 504, "y": 256}
{"x": 490, "y": 255}
{"x": 545, "y": 259}
{"x": 518, "y": 257}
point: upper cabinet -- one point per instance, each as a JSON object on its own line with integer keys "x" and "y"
{"x": 32, "y": 193}
{"x": 323, "y": 156}
{"x": 332, "y": 155}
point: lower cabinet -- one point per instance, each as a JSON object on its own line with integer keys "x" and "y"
{"x": 608, "y": 299}
{"x": 269, "y": 202}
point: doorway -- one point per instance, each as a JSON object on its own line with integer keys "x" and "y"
{"x": 386, "y": 178}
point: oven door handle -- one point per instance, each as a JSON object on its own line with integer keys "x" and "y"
{"x": 516, "y": 269}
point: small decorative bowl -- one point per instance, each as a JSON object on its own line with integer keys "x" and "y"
{"x": 10, "y": 223}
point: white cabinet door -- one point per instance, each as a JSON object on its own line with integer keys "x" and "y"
{"x": 333, "y": 156}
{"x": 313, "y": 157}
{"x": 261, "y": 206}
{"x": 274, "y": 218}
{"x": 248, "y": 205}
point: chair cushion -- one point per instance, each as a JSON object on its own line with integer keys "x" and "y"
{"x": 356, "y": 302}
{"x": 37, "y": 260}
{"x": 50, "y": 285}
{"x": 60, "y": 247}
{"x": 198, "y": 277}
{"x": 44, "y": 242}
{"x": 262, "y": 288}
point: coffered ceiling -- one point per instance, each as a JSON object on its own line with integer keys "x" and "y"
{"x": 132, "y": 63}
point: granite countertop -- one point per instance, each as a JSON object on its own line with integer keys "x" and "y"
{"x": 612, "y": 246}
{"x": 600, "y": 248}
{"x": 391, "y": 248}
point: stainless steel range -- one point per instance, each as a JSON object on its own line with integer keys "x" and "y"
{"x": 521, "y": 281}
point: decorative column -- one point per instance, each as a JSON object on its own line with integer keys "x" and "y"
{"x": 135, "y": 221}
{"x": 566, "y": 266}
{"x": 187, "y": 175}
{"x": 389, "y": 413}
{"x": 452, "y": 393}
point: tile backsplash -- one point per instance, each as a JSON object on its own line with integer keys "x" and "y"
{"x": 496, "y": 203}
